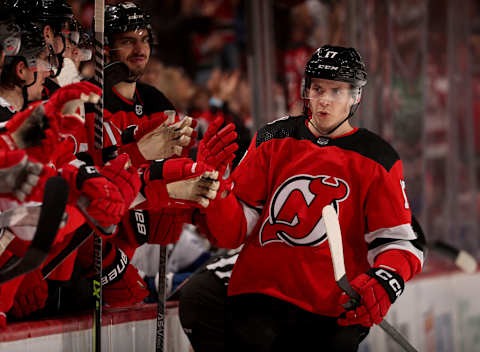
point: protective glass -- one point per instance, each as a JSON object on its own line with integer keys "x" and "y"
{"x": 318, "y": 92}
{"x": 42, "y": 61}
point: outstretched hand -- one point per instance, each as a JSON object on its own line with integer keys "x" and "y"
{"x": 200, "y": 189}
{"x": 166, "y": 140}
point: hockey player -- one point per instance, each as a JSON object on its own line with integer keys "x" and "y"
{"x": 26, "y": 65}
{"x": 59, "y": 30}
{"x": 282, "y": 293}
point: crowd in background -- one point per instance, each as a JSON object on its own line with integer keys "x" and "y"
{"x": 199, "y": 62}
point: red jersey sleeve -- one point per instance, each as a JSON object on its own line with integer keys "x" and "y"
{"x": 388, "y": 215}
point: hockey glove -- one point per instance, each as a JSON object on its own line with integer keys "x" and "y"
{"x": 37, "y": 127}
{"x": 126, "y": 179}
{"x": 69, "y": 99}
{"x": 180, "y": 182}
{"x": 128, "y": 289}
{"x": 106, "y": 203}
{"x": 217, "y": 148}
{"x": 7, "y": 293}
{"x": 31, "y": 295}
{"x": 157, "y": 227}
{"x": 379, "y": 288}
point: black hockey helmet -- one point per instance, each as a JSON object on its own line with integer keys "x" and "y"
{"x": 125, "y": 17}
{"x": 23, "y": 42}
{"x": 335, "y": 63}
{"x": 57, "y": 14}
{"x": 52, "y": 12}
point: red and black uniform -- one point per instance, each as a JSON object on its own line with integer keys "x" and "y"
{"x": 120, "y": 113}
{"x": 7, "y": 110}
{"x": 287, "y": 176}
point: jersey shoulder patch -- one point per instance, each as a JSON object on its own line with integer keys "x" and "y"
{"x": 288, "y": 126}
{"x": 371, "y": 146}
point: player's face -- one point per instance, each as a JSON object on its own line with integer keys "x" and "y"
{"x": 133, "y": 49}
{"x": 330, "y": 103}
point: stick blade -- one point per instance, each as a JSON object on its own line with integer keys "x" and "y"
{"x": 334, "y": 236}
{"x": 54, "y": 202}
{"x": 460, "y": 257}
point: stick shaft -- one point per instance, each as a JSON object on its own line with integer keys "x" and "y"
{"x": 99, "y": 18}
{"x": 334, "y": 236}
{"x": 162, "y": 268}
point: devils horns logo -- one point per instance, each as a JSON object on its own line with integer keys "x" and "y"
{"x": 295, "y": 213}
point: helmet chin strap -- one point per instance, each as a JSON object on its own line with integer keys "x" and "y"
{"x": 60, "y": 58}
{"x": 25, "y": 90}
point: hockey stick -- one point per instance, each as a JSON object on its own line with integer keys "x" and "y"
{"x": 162, "y": 290}
{"x": 80, "y": 236}
{"x": 162, "y": 268}
{"x": 54, "y": 202}
{"x": 334, "y": 236}
{"x": 99, "y": 18}
{"x": 459, "y": 257}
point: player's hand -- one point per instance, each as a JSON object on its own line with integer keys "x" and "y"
{"x": 31, "y": 296}
{"x": 180, "y": 182}
{"x": 38, "y": 126}
{"x": 106, "y": 204}
{"x": 128, "y": 290}
{"x": 125, "y": 177}
{"x": 378, "y": 289}
{"x": 217, "y": 148}
{"x": 200, "y": 189}
{"x": 18, "y": 174}
{"x": 166, "y": 139}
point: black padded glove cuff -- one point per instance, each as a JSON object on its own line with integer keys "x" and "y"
{"x": 391, "y": 281}
{"x": 84, "y": 173}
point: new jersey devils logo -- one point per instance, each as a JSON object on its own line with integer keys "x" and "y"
{"x": 295, "y": 213}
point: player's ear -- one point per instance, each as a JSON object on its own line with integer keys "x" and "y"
{"x": 48, "y": 34}
{"x": 21, "y": 69}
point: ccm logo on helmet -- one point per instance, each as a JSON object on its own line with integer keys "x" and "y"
{"x": 328, "y": 67}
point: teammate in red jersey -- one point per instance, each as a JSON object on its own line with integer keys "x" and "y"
{"x": 282, "y": 293}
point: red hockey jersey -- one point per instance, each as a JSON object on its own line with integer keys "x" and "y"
{"x": 287, "y": 176}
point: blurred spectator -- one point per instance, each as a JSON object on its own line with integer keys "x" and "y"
{"x": 172, "y": 81}
{"x": 296, "y": 56}
{"x": 228, "y": 96}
